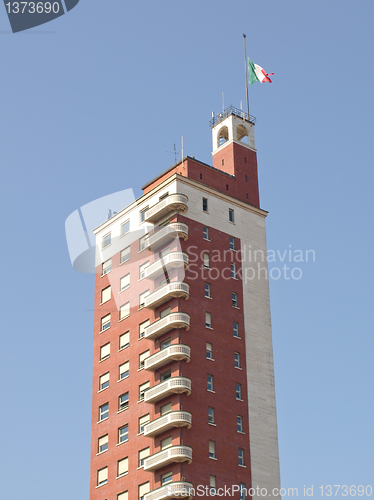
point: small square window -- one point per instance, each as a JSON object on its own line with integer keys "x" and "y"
{"x": 241, "y": 456}
{"x": 107, "y": 267}
{"x": 125, "y": 227}
{"x": 165, "y": 409}
{"x": 142, "y": 357}
{"x": 165, "y": 344}
{"x": 207, "y": 290}
{"x": 234, "y": 299}
{"x": 209, "y": 380}
{"x": 211, "y": 415}
{"x": 208, "y": 320}
{"x": 143, "y": 214}
{"x": 206, "y": 232}
{"x": 103, "y": 443}
{"x": 123, "y": 401}
{"x": 105, "y": 322}
{"x": 124, "y": 340}
{"x": 212, "y": 449}
{"x": 102, "y": 476}
{"x": 123, "y": 433}
{"x": 231, "y": 215}
{"x": 124, "y": 370}
{"x": 143, "y": 421}
{"x": 125, "y": 255}
{"x": 142, "y": 389}
{"x": 235, "y": 329}
{"x": 205, "y": 204}
{"x": 103, "y": 412}
{"x": 209, "y": 351}
{"x": 104, "y": 381}
{"x": 232, "y": 243}
{"x": 107, "y": 240}
{"x": 239, "y": 423}
{"x": 125, "y": 282}
{"x": 167, "y": 478}
{"x": 166, "y": 443}
{"x": 238, "y": 391}
{"x": 165, "y": 312}
{"x": 105, "y": 351}
{"x": 237, "y": 360}
{"x": 143, "y": 454}
{"x": 165, "y": 376}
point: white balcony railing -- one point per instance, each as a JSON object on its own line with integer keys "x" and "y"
{"x": 178, "y": 489}
{"x": 179, "y": 453}
{"x": 174, "y": 385}
{"x": 175, "y": 352}
{"x": 168, "y": 421}
{"x": 163, "y": 325}
{"x": 167, "y": 292}
{"x": 170, "y": 261}
{"x": 166, "y": 234}
{"x": 172, "y": 203}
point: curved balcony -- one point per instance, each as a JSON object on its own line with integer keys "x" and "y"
{"x": 174, "y": 385}
{"x": 168, "y": 421}
{"x": 166, "y": 234}
{"x": 174, "y": 454}
{"x": 167, "y": 292}
{"x": 163, "y": 325}
{"x": 172, "y": 203}
{"x": 170, "y": 261}
{"x": 179, "y": 489}
{"x": 175, "y": 352}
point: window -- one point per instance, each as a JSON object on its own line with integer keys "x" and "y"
{"x": 142, "y": 357}
{"x": 227, "y": 187}
{"x": 209, "y": 351}
{"x": 240, "y": 456}
{"x": 105, "y": 322}
{"x": 206, "y": 260}
{"x": 243, "y": 489}
{"x": 165, "y": 409}
{"x": 212, "y": 449}
{"x": 165, "y": 343}
{"x": 205, "y": 204}
{"x": 163, "y": 196}
{"x": 142, "y": 214}
{"x": 233, "y": 271}
{"x": 102, "y": 443}
{"x": 210, "y": 415}
{"x": 209, "y": 382}
{"x": 142, "y": 298}
{"x": 123, "y": 496}
{"x": 234, "y": 299}
{"x": 223, "y": 162}
{"x": 143, "y": 489}
{"x": 237, "y": 360}
{"x": 125, "y": 255}
{"x": 238, "y": 391}
{"x": 102, "y": 476}
{"x": 142, "y": 269}
{"x": 142, "y": 328}
{"x": 104, "y": 381}
{"x": 166, "y": 443}
{"x": 124, "y": 370}
{"x": 103, "y": 412}
{"x": 206, "y": 233}
{"x": 107, "y": 266}
{"x": 124, "y": 340}
{"x": 212, "y": 484}
{"x": 143, "y": 243}
{"x": 122, "y": 466}
{"x": 165, "y": 313}
{"x": 107, "y": 240}
{"x": 106, "y": 294}
{"x": 165, "y": 376}
{"x": 143, "y": 421}
{"x": 124, "y": 311}
{"x": 143, "y": 454}
{"x": 142, "y": 389}
{"x": 235, "y": 329}
{"x": 246, "y": 195}
{"x": 123, "y": 433}
{"x": 208, "y": 320}
{"x": 201, "y": 176}
{"x": 207, "y": 290}
{"x": 125, "y": 227}
{"x": 231, "y": 215}
{"x": 104, "y": 351}
{"x": 167, "y": 478}
{"x": 123, "y": 401}
{"x": 232, "y": 243}
{"x": 125, "y": 282}
{"x": 239, "y": 423}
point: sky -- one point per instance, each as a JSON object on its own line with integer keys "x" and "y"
{"x": 92, "y": 103}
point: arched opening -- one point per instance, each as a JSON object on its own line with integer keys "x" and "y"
{"x": 223, "y": 136}
{"x": 242, "y": 134}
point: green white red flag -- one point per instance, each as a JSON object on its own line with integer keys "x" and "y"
{"x": 257, "y": 74}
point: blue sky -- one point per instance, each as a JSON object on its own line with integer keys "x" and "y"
{"x": 90, "y": 104}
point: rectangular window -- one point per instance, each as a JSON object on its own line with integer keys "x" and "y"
{"x": 237, "y": 360}
{"x": 105, "y": 351}
{"x": 123, "y": 433}
{"x": 123, "y": 496}
{"x": 125, "y": 227}
{"x": 205, "y": 204}
{"x": 235, "y": 329}
{"x": 106, "y": 294}
{"x": 124, "y": 370}
{"x": 243, "y": 491}
{"x": 125, "y": 282}
{"x": 209, "y": 351}
{"x": 231, "y": 215}
{"x": 123, "y": 401}
{"x": 143, "y": 454}
{"x": 206, "y": 260}
{"x": 208, "y": 320}
{"x": 104, "y": 381}
{"x": 142, "y": 357}
{"x": 105, "y": 322}
{"x": 232, "y": 243}
{"x": 124, "y": 340}
{"x": 124, "y": 311}
{"x": 165, "y": 343}
{"x": 102, "y": 476}
{"x": 103, "y": 443}
{"x": 165, "y": 409}
{"x": 233, "y": 271}
{"x": 103, "y": 412}
{"x": 166, "y": 443}
{"x": 209, "y": 382}
{"x": 142, "y": 298}
{"x": 238, "y": 391}
{"x": 107, "y": 240}
{"x": 143, "y": 490}
{"x": 207, "y": 290}
{"x": 163, "y": 196}
{"x": 143, "y": 421}
{"x": 122, "y": 466}
{"x": 239, "y": 423}
{"x": 240, "y": 456}
{"x": 142, "y": 389}
{"x": 212, "y": 483}
{"x": 211, "y": 415}
{"x": 107, "y": 267}
{"x": 142, "y": 328}
{"x": 143, "y": 242}
{"x": 206, "y": 233}
{"x": 234, "y": 299}
{"x": 143, "y": 214}
{"x": 167, "y": 478}
{"x": 125, "y": 255}
{"x": 165, "y": 376}
{"x": 165, "y": 313}
{"x": 212, "y": 449}
{"x": 142, "y": 269}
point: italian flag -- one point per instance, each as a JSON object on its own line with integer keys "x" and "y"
{"x": 257, "y": 74}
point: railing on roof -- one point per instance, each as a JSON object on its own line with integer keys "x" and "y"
{"x": 232, "y": 111}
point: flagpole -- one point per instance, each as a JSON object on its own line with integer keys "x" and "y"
{"x": 246, "y": 72}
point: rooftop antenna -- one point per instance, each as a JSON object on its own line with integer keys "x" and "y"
{"x": 246, "y": 72}
{"x": 223, "y": 102}
{"x": 175, "y": 154}
{"x": 182, "y": 151}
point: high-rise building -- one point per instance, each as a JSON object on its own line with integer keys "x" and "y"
{"x": 183, "y": 378}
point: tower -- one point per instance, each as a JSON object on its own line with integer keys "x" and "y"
{"x": 183, "y": 378}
